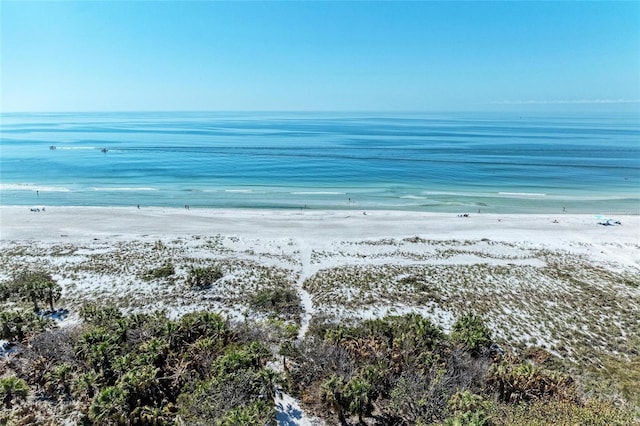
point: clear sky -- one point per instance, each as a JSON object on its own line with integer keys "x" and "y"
{"x": 390, "y": 56}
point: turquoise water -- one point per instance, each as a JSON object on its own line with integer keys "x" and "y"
{"x": 507, "y": 163}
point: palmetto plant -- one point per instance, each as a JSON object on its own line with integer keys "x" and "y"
{"x": 110, "y": 407}
{"x": 98, "y": 348}
{"x": 16, "y": 325}
{"x": 195, "y": 325}
{"x": 331, "y": 393}
{"x": 525, "y": 382}
{"x": 142, "y": 384}
{"x": 35, "y": 286}
{"x": 472, "y": 332}
{"x": 12, "y": 388}
{"x": 59, "y": 379}
{"x": 85, "y": 385}
{"x": 265, "y": 383}
{"x": 358, "y": 395}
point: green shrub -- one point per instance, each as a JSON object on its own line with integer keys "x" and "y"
{"x": 34, "y": 287}
{"x": 468, "y": 409}
{"x": 99, "y": 315}
{"x": 283, "y": 301}
{"x": 551, "y": 413}
{"x": 165, "y": 271}
{"x": 525, "y": 382}
{"x": 472, "y": 333}
{"x": 19, "y": 324}
{"x": 201, "y": 278}
{"x": 110, "y": 406}
{"x": 12, "y": 388}
{"x": 258, "y": 413}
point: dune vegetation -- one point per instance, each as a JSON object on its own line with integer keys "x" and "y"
{"x": 512, "y": 320}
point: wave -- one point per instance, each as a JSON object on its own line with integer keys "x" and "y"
{"x": 31, "y": 187}
{"x": 523, "y": 194}
{"x": 75, "y": 148}
{"x": 124, "y": 189}
{"x": 318, "y": 193}
{"x": 413, "y": 197}
{"x": 244, "y": 191}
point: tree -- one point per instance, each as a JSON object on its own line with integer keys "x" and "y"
{"x": 35, "y": 286}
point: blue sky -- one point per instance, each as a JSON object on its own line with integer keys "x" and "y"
{"x": 390, "y": 56}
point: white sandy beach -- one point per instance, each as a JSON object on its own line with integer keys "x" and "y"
{"x": 539, "y": 279}
{"x": 79, "y": 223}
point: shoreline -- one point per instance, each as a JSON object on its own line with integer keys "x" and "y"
{"x": 55, "y": 222}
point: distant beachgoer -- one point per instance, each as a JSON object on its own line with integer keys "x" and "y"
{"x": 138, "y": 206}
{"x": 564, "y": 209}
{"x": 37, "y": 193}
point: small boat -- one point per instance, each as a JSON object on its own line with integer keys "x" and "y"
{"x": 104, "y": 150}
{"x": 52, "y": 147}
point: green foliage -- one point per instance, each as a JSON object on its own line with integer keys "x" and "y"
{"x": 11, "y": 389}
{"x": 251, "y": 356}
{"x": 59, "y": 379}
{"x": 18, "y": 324}
{"x": 33, "y": 287}
{"x": 109, "y": 406}
{"x": 465, "y": 401}
{"x": 517, "y": 382}
{"x": 200, "y": 370}
{"x": 165, "y": 271}
{"x": 283, "y": 301}
{"x": 95, "y": 314}
{"x": 469, "y": 418}
{"x": 195, "y": 325}
{"x": 468, "y": 409}
{"x": 358, "y": 396}
{"x": 472, "y": 333}
{"x": 259, "y": 413}
{"x": 142, "y": 385}
{"x": 85, "y": 385}
{"x": 219, "y": 396}
{"x": 201, "y": 278}
{"x": 331, "y": 393}
{"x": 551, "y": 413}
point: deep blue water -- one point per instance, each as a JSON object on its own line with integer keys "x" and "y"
{"x": 585, "y": 163}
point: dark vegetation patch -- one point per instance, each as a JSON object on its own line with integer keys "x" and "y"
{"x": 165, "y": 271}
{"x": 203, "y": 277}
{"x": 279, "y": 302}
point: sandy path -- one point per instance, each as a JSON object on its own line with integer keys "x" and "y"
{"x": 305, "y": 297}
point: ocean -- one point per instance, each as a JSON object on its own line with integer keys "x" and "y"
{"x": 448, "y": 162}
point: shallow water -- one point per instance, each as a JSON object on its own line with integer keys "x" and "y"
{"x": 432, "y": 162}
